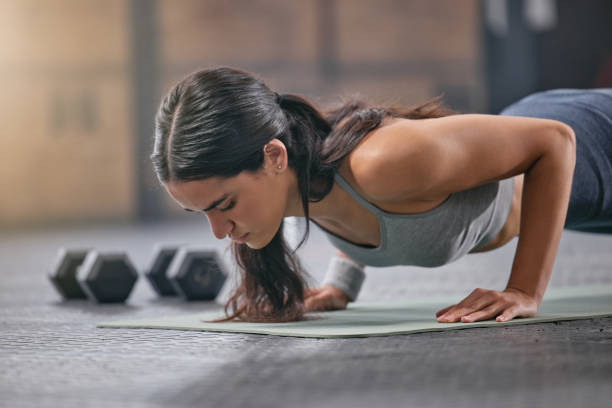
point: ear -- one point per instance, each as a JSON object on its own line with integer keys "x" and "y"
{"x": 275, "y": 155}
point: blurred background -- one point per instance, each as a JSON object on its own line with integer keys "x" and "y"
{"x": 81, "y": 79}
{"x": 80, "y": 82}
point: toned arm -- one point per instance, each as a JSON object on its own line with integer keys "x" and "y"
{"x": 433, "y": 157}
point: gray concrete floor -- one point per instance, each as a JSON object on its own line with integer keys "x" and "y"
{"x": 52, "y": 355}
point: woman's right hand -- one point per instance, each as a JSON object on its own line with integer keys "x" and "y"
{"x": 324, "y": 298}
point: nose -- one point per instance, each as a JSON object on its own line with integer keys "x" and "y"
{"x": 221, "y": 226}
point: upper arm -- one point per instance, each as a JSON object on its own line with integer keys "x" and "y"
{"x": 427, "y": 157}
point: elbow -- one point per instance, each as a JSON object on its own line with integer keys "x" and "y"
{"x": 566, "y": 145}
{"x": 559, "y": 150}
{"x": 568, "y": 135}
{"x": 570, "y": 139}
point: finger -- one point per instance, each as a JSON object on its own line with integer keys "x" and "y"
{"x": 327, "y": 301}
{"x": 468, "y": 301}
{"x": 310, "y": 304}
{"x": 442, "y": 311}
{"x": 313, "y": 303}
{"x": 488, "y": 312}
{"x": 311, "y": 291}
{"x": 462, "y": 310}
{"x": 508, "y": 314}
{"x": 330, "y": 302}
{"x": 316, "y": 302}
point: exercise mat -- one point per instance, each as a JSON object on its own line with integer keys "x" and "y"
{"x": 384, "y": 318}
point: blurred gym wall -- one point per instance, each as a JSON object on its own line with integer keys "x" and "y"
{"x": 81, "y": 80}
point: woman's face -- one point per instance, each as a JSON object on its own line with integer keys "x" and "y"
{"x": 247, "y": 203}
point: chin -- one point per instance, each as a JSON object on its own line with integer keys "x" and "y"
{"x": 255, "y": 245}
{"x": 258, "y": 244}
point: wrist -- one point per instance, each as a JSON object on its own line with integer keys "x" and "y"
{"x": 338, "y": 292}
{"x": 346, "y": 276}
{"x": 531, "y": 294}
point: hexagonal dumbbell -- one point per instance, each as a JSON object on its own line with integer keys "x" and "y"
{"x": 107, "y": 277}
{"x": 84, "y": 273}
{"x": 196, "y": 273}
{"x": 157, "y": 268}
{"x": 63, "y": 274}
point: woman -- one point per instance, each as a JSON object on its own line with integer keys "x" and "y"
{"x": 389, "y": 186}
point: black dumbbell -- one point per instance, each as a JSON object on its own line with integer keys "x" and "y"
{"x": 63, "y": 274}
{"x": 102, "y": 277}
{"x": 157, "y": 268}
{"x": 195, "y": 273}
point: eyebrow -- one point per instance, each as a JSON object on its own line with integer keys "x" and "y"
{"x": 216, "y": 203}
{"x": 213, "y": 205}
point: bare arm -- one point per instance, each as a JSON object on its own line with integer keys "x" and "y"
{"x": 546, "y": 192}
{"x": 545, "y": 196}
{"x": 451, "y": 154}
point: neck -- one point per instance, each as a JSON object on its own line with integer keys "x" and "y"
{"x": 331, "y": 208}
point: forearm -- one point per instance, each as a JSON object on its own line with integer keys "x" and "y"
{"x": 546, "y": 191}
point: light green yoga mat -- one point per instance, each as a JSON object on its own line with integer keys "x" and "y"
{"x": 384, "y": 318}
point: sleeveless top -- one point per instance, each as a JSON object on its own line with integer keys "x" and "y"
{"x": 466, "y": 220}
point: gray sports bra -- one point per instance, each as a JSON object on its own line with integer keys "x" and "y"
{"x": 466, "y": 220}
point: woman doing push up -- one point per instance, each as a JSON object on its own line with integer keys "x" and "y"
{"x": 388, "y": 185}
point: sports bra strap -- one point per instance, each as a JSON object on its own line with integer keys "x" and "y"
{"x": 347, "y": 187}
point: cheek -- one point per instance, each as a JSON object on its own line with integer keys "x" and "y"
{"x": 249, "y": 215}
{"x": 261, "y": 214}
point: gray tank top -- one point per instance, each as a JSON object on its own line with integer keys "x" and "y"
{"x": 466, "y": 220}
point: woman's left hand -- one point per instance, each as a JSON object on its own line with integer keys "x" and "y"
{"x": 483, "y": 304}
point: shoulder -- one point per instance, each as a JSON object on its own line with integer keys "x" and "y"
{"x": 416, "y": 159}
{"x": 369, "y": 166}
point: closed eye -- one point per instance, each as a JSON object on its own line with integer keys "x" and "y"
{"x": 229, "y": 207}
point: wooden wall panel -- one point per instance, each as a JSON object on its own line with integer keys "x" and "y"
{"x": 66, "y": 143}
{"x": 388, "y": 30}
{"x": 406, "y": 91}
{"x": 78, "y": 167}
{"x": 36, "y": 33}
{"x": 239, "y": 31}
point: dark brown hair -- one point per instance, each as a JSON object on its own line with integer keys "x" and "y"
{"x": 215, "y": 123}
